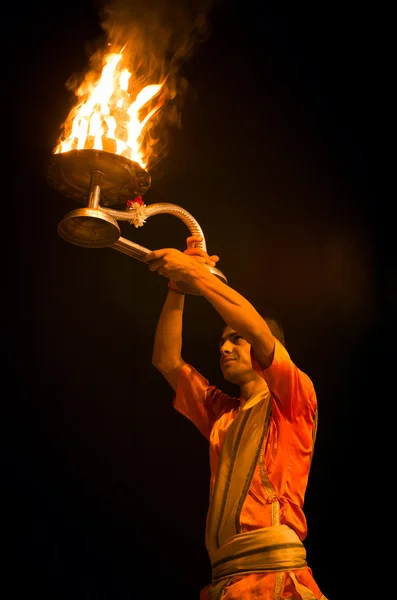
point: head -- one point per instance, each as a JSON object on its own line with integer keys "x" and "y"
{"x": 235, "y": 360}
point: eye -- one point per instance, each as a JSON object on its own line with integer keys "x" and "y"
{"x": 237, "y": 338}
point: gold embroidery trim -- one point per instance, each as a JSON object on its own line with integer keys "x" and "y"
{"x": 279, "y": 585}
{"x": 275, "y": 508}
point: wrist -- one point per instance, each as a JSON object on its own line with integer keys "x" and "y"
{"x": 172, "y": 286}
{"x": 199, "y": 275}
{"x": 195, "y": 273}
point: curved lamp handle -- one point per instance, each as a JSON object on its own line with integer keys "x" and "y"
{"x": 137, "y": 214}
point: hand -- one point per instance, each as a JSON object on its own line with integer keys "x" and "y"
{"x": 179, "y": 266}
{"x": 199, "y": 254}
{"x": 171, "y": 263}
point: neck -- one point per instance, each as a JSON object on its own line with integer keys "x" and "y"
{"x": 250, "y": 388}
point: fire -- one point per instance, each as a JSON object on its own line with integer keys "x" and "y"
{"x": 108, "y": 118}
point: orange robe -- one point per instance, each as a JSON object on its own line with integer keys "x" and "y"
{"x": 277, "y": 489}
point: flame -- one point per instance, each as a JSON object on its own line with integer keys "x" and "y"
{"x": 107, "y": 118}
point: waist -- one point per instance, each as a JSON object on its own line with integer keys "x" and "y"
{"x": 276, "y": 548}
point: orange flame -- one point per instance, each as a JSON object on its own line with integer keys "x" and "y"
{"x": 107, "y": 118}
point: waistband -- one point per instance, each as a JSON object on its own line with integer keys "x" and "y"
{"x": 276, "y": 548}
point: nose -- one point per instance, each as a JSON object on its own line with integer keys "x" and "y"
{"x": 226, "y": 348}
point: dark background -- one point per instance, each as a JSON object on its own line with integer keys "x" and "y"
{"x": 278, "y": 158}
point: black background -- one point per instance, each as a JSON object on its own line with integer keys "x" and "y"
{"x": 278, "y": 160}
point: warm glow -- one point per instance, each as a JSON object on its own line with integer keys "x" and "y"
{"x": 108, "y": 118}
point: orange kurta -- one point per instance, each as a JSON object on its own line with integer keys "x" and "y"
{"x": 281, "y": 475}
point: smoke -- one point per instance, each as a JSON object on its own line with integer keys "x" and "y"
{"x": 158, "y": 33}
{"x": 157, "y": 38}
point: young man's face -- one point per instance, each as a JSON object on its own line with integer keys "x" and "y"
{"x": 235, "y": 358}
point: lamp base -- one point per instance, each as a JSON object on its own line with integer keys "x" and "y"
{"x": 70, "y": 174}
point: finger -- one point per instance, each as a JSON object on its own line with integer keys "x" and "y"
{"x": 196, "y": 252}
{"x": 192, "y": 240}
{"x": 212, "y": 260}
{"x": 200, "y": 256}
{"x": 155, "y": 254}
{"x": 205, "y": 261}
{"x": 200, "y": 252}
{"x": 154, "y": 265}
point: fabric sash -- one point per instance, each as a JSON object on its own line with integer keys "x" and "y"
{"x": 237, "y": 462}
{"x": 268, "y": 549}
{"x": 275, "y": 548}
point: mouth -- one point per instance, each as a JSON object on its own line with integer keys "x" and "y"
{"x": 225, "y": 361}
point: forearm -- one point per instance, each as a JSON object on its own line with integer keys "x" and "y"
{"x": 236, "y": 311}
{"x": 167, "y": 345}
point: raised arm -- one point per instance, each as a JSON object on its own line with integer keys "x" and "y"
{"x": 235, "y": 310}
{"x": 167, "y": 347}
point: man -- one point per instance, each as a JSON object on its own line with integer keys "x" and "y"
{"x": 261, "y": 443}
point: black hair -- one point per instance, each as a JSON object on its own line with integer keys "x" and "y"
{"x": 276, "y": 328}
